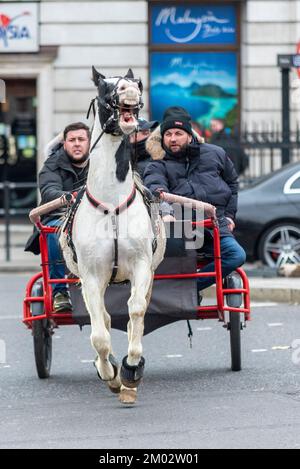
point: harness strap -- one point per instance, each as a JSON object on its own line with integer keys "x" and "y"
{"x": 97, "y": 204}
{"x": 91, "y": 107}
{"x": 70, "y": 220}
{"x": 96, "y": 142}
{"x": 115, "y": 225}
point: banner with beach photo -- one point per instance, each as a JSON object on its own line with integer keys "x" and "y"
{"x": 205, "y": 83}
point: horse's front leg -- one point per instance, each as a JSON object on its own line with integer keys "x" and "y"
{"x": 133, "y": 364}
{"x": 93, "y": 293}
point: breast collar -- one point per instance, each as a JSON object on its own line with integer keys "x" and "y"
{"x": 106, "y": 210}
{"x": 115, "y": 224}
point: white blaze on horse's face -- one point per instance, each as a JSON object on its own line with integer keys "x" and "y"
{"x": 129, "y": 99}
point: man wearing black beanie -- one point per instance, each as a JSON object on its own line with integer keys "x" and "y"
{"x": 200, "y": 171}
{"x": 176, "y": 117}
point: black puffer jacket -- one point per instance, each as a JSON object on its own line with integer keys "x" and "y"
{"x": 57, "y": 176}
{"x": 202, "y": 172}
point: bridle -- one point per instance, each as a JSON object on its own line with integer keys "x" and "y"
{"x": 112, "y": 106}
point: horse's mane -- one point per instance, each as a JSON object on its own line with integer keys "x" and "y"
{"x": 138, "y": 182}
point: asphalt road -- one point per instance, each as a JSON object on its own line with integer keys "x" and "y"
{"x": 189, "y": 397}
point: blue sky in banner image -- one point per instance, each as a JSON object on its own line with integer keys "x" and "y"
{"x": 205, "y": 83}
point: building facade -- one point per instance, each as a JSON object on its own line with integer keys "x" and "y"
{"x": 115, "y": 35}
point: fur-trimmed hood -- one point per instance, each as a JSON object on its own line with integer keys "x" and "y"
{"x": 154, "y": 145}
{"x": 54, "y": 143}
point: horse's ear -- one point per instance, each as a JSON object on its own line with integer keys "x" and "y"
{"x": 97, "y": 76}
{"x": 129, "y": 74}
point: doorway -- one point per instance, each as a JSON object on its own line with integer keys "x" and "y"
{"x": 18, "y": 116}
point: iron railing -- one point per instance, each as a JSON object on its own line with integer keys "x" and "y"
{"x": 7, "y": 211}
{"x": 268, "y": 150}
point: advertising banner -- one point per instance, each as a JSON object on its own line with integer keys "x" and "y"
{"x": 193, "y": 24}
{"x": 204, "y": 83}
{"x": 19, "y": 28}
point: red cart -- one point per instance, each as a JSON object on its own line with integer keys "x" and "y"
{"x": 232, "y": 306}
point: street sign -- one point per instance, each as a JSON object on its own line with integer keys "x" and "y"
{"x": 296, "y": 60}
{"x": 288, "y": 60}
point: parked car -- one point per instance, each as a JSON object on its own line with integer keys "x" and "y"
{"x": 268, "y": 218}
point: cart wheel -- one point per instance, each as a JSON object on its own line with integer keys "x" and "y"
{"x": 42, "y": 342}
{"x": 235, "y": 341}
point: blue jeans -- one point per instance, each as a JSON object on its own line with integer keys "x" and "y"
{"x": 232, "y": 256}
{"x": 57, "y": 265}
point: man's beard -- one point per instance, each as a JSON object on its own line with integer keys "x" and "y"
{"x": 76, "y": 160}
{"x": 182, "y": 149}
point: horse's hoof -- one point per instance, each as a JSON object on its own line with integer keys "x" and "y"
{"x": 114, "y": 364}
{"x": 131, "y": 376}
{"x": 115, "y": 390}
{"x": 128, "y": 396}
{"x": 115, "y": 385}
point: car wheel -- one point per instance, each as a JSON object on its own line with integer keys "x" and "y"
{"x": 280, "y": 245}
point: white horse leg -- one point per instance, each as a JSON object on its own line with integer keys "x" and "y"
{"x": 141, "y": 283}
{"x": 93, "y": 293}
{"x": 128, "y": 394}
{"x": 115, "y": 384}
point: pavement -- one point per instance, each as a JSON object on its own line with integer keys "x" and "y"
{"x": 265, "y": 285}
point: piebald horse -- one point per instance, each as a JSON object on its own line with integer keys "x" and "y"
{"x": 112, "y": 226}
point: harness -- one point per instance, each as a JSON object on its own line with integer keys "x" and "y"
{"x": 114, "y": 213}
{"x": 115, "y": 222}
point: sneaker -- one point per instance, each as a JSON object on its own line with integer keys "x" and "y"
{"x": 61, "y": 302}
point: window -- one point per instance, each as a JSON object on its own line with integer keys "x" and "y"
{"x": 194, "y": 60}
{"x": 292, "y": 185}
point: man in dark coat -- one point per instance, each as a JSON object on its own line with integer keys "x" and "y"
{"x": 200, "y": 171}
{"x": 65, "y": 170}
{"x": 140, "y": 155}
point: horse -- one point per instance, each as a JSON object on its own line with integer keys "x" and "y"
{"x": 112, "y": 232}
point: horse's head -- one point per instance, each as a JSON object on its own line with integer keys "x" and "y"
{"x": 119, "y": 102}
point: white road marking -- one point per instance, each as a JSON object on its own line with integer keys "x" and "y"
{"x": 275, "y": 324}
{"x": 281, "y": 347}
{"x": 87, "y": 361}
{"x": 259, "y": 350}
{"x": 174, "y": 356}
{"x": 204, "y": 328}
{"x": 5, "y": 318}
{"x": 258, "y": 304}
